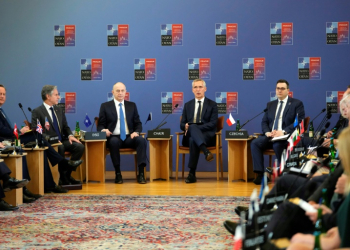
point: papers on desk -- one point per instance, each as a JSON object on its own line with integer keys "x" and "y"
{"x": 280, "y": 138}
{"x": 306, "y": 169}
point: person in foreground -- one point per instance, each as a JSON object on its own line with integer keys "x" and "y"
{"x": 337, "y": 236}
{"x": 121, "y": 122}
{"x": 58, "y": 127}
{"x": 199, "y": 119}
{"x": 277, "y": 121}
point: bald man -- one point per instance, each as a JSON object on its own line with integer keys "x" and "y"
{"x": 121, "y": 122}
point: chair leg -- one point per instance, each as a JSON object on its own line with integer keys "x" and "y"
{"x": 183, "y": 166}
{"x": 270, "y": 161}
{"x": 177, "y": 165}
{"x": 135, "y": 157}
{"x": 217, "y": 166}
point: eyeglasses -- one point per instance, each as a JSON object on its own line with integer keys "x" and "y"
{"x": 280, "y": 88}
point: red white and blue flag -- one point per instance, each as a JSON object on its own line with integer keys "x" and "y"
{"x": 39, "y": 128}
{"x": 47, "y": 124}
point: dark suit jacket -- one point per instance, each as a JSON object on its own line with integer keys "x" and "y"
{"x": 41, "y": 112}
{"x": 108, "y": 117}
{"x": 293, "y": 107}
{"x": 6, "y": 132}
{"x": 209, "y": 116}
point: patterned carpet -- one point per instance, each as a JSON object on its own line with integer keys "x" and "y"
{"x": 120, "y": 222}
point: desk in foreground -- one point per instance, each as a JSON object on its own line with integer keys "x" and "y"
{"x": 14, "y": 163}
{"x": 95, "y": 160}
{"x": 160, "y": 154}
{"x": 240, "y": 163}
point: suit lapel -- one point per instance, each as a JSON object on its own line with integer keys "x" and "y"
{"x": 205, "y": 106}
{"x": 289, "y": 102}
{"x": 192, "y": 106}
{"x": 46, "y": 114}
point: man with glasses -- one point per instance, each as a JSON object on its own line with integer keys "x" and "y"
{"x": 199, "y": 118}
{"x": 277, "y": 121}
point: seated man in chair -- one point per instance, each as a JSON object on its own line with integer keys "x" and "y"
{"x": 199, "y": 119}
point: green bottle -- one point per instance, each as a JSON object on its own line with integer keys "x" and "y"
{"x": 332, "y": 149}
{"x": 317, "y": 245}
{"x": 325, "y": 200}
{"x": 331, "y": 167}
{"x": 319, "y": 228}
{"x": 77, "y": 131}
{"x": 311, "y": 130}
{"x": 238, "y": 125}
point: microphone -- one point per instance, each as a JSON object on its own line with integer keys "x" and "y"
{"x": 95, "y": 119}
{"x": 323, "y": 110}
{"x": 21, "y": 107}
{"x": 253, "y": 118}
{"x": 30, "y": 110}
{"x": 161, "y": 123}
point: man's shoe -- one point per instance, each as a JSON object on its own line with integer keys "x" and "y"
{"x": 30, "y": 194}
{"x": 258, "y": 179}
{"x": 191, "y": 178}
{"x": 74, "y": 164}
{"x": 4, "y": 206}
{"x": 118, "y": 179}
{"x": 13, "y": 183}
{"x": 63, "y": 180}
{"x": 240, "y": 209}
{"x": 74, "y": 181}
{"x": 209, "y": 156}
{"x": 141, "y": 178}
{"x": 269, "y": 170}
{"x": 59, "y": 189}
{"x": 230, "y": 226}
{"x": 27, "y": 199}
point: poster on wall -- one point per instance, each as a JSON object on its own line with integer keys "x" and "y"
{"x": 227, "y": 102}
{"x": 110, "y": 96}
{"x": 332, "y": 101}
{"x": 253, "y": 68}
{"x": 171, "y": 34}
{"x": 118, "y": 35}
{"x": 91, "y": 69}
{"x": 226, "y": 34}
{"x": 281, "y": 33}
{"x": 337, "y": 32}
{"x": 145, "y": 69}
{"x": 199, "y": 68}
{"x": 309, "y": 68}
{"x": 64, "y": 35}
{"x": 274, "y": 97}
{"x": 169, "y": 100}
{"x": 68, "y": 102}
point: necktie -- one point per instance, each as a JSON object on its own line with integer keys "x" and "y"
{"x": 198, "y": 118}
{"x": 55, "y": 124}
{"x": 5, "y": 116}
{"x": 122, "y": 123}
{"x": 275, "y": 125}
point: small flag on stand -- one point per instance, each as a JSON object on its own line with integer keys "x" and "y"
{"x": 87, "y": 121}
{"x": 149, "y": 118}
{"x": 47, "y": 124}
{"x": 39, "y": 128}
{"x": 296, "y": 121}
{"x": 301, "y": 127}
{"x": 230, "y": 121}
{"x": 15, "y": 131}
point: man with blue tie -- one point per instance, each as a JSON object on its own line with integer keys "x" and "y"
{"x": 277, "y": 121}
{"x": 199, "y": 119}
{"x": 59, "y": 128}
{"x": 121, "y": 122}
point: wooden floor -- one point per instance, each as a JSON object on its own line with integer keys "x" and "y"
{"x": 203, "y": 187}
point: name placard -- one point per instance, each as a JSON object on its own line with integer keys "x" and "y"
{"x": 95, "y": 135}
{"x": 237, "y": 134}
{"x": 53, "y": 139}
{"x": 159, "y": 133}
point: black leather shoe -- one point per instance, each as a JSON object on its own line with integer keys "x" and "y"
{"x": 240, "y": 209}
{"x": 141, "y": 178}
{"x": 258, "y": 179}
{"x": 30, "y": 194}
{"x": 269, "y": 170}
{"x": 27, "y": 199}
{"x": 74, "y": 164}
{"x": 119, "y": 179}
{"x": 63, "y": 180}
{"x": 209, "y": 156}
{"x": 59, "y": 189}
{"x": 4, "y": 206}
{"x": 230, "y": 226}
{"x": 74, "y": 181}
{"x": 191, "y": 178}
{"x": 13, "y": 183}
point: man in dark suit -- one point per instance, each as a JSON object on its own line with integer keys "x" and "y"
{"x": 120, "y": 120}
{"x": 199, "y": 119}
{"x": 6, "y": 133}
{"x": 59, "y": 128}
{"x": 277, "y": 121}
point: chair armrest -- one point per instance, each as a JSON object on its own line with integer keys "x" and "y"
{"x": 180, "y": 133}
{"x": 143, "y": 134}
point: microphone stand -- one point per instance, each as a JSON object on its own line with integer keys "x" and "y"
{"x": 323, "y": 110}
{"x": 161, "y": 123}
{"x": 253, "y": 118}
